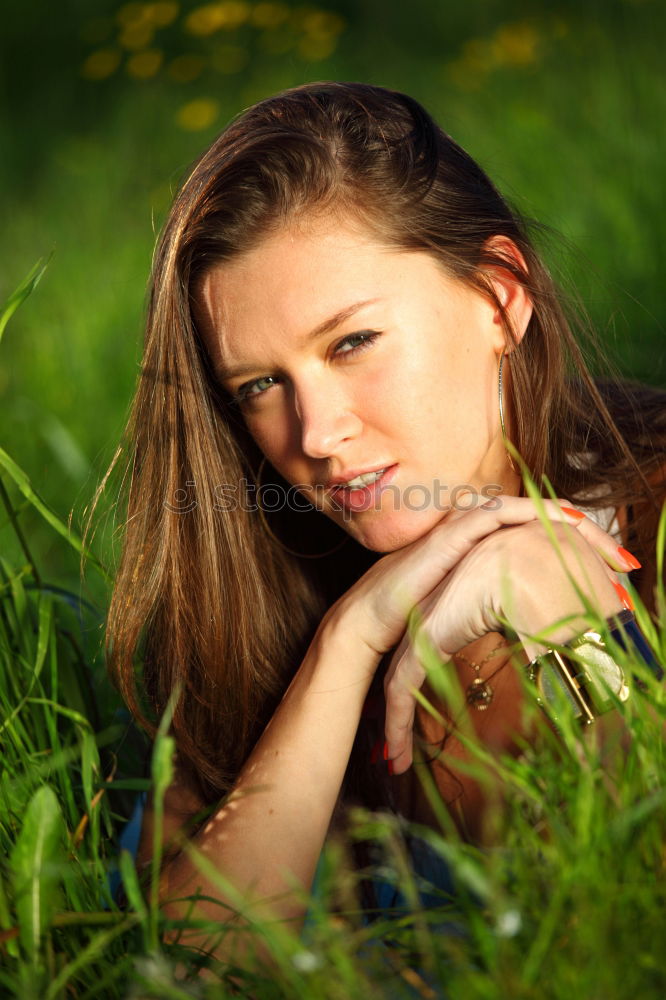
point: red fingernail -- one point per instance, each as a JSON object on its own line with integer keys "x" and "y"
{"x": 630, "y": 559}
{"x": 386, "y": 751}
{"x": 572, "y": 512}
{"x": 389, "y": 765}
{"x": 624, "y": 596}
{"x": 374, "y": 753}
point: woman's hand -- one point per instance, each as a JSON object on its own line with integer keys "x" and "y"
{"x": 538, "y": 578}
{"x": 470, "y": 571}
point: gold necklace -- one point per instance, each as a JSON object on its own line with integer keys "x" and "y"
{"x": 479, "y": 694}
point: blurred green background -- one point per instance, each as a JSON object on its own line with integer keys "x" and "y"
{"x": 104, "y": 105}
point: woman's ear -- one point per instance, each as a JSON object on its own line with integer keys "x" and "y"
{"x": 510, "y": 291}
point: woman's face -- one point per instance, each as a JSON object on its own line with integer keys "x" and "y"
{"x": 347, "y": 358}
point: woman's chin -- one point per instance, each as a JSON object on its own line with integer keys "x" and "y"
{"x": 382, "y": 533}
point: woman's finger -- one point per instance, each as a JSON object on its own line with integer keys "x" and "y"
{"x": 401, "y": 580}
{"x": 617, "y": 557}
{"x": 405, "y": 675}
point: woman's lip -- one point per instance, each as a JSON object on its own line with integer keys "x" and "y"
{"x": 362, "y": 497}
{"x": 352, "y": 474}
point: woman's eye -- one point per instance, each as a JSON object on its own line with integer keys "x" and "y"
{"x": 255, "y": 388}
{"x": 356, "y": 342}
{"x": 251, "y": 391}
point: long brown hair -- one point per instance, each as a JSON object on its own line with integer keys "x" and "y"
{"x": 204, "y": 594}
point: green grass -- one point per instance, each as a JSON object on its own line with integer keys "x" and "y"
{"x": 573, "y": 900}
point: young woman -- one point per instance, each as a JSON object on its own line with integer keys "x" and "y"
{"x": 351, "y": 346}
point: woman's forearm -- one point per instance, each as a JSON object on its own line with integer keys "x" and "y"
{"x": 269, "y": 833}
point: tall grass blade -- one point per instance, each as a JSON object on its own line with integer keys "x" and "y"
{"x": 20, "y": 294}
{"x": 162, "y": 771}
{"x": 98, "y": 946}
{"x": 131, "y": 885}
{"x": 23, "y": 482}
{"x": 34, "y": 863}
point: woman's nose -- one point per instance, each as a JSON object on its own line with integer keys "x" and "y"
{"x": 327, "y": 420}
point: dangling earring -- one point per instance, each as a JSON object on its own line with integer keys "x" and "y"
{"x": 500, "y": 395}
{"x": 271, "y": 533}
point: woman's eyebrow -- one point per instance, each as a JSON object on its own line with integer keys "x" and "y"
{"x": 232, "y": 371}
{"x": 338, "y": 319}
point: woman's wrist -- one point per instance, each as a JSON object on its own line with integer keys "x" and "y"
{"x": 352, "y": 621}
{"x": 339, "y": 654}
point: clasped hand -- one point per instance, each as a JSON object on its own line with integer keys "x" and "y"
{"x": 533, "y": 567}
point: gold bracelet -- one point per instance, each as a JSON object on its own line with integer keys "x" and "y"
{"x": 591, "y": 681}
